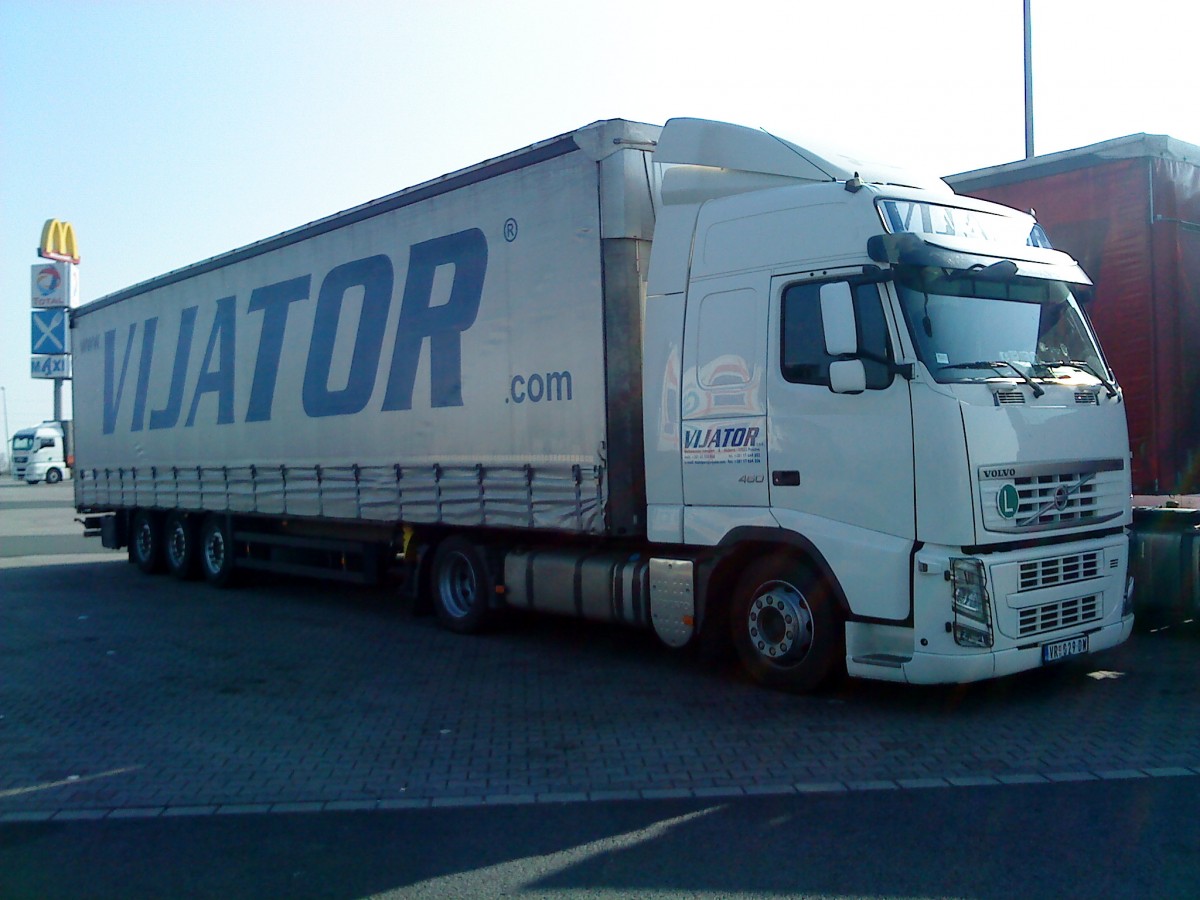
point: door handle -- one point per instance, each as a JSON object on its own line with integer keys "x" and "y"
{"x": 785, "y": 478}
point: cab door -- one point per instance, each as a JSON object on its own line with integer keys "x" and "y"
{"x": 841, "y": 461}
{"x": 723, "y": 420}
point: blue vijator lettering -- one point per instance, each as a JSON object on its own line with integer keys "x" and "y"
{"x": 419, "y": 320}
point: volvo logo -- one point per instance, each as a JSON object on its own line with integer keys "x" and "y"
{"x": 998, "y": 473}
{"x": 1062, "y": 497}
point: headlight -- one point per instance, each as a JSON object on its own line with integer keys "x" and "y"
{"x": 970, "y": 590}
{"x": 970, "y": 601}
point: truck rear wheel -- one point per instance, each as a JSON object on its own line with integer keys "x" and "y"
{"x": 145, "y": 542}
{"x": 216, "y": 551}
{"x": 461, "y": 585}
{"x": 785, "y": 626}
{"x": 179, "y": 546}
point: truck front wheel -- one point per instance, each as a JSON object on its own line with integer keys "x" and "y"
{"x": 786, "y": 626}
{"x": 53, "y": 476}
{"x": 145, "y": 542}
{"x": 216, "y": 551}
{"x": 461, "y": 584}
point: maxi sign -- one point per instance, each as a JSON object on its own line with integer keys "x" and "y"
{"x": 54, "y": 289}
{"x": 50, "y": 366}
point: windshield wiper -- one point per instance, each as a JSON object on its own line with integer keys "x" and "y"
{"x": 998, "y": 364}
{"x": 1085, "y": 366}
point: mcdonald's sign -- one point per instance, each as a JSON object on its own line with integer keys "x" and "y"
{"x": 58, "y": 242}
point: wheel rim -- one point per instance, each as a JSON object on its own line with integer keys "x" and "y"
{"x": 177, "y": 545}
{"x": 780, "y": 624}
{"x": 457, "y": 586}
{"x": 214, "y": 551}
{"x": 145, "y": 540}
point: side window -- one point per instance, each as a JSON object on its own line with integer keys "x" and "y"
{"x": 802, "y": 355}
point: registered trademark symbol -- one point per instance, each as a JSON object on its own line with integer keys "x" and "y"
{"x": 510, "y": 230}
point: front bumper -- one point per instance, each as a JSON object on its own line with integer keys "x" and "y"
{"x": 1036, "y": 596}
{"x": 937, "y": 668}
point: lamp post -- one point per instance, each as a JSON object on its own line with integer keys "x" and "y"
{"x": 7, "y": 445}
{"x": 1028, "y": 83}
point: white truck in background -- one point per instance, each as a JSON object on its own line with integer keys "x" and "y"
{"x": 694, "y": 378}
{"x": 42, "y": 453}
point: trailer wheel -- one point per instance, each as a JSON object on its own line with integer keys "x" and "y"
{"x": 786, "y": 626}
{"x": 461, "y": 584}
{"x": 53, "y": 476}
{"x": 179, "y": 546}
{"x": 216, "y": 551}
{"x": 145, "y": 542}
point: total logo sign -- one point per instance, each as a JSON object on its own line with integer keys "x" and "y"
{"x": 46, "y": 281}
{"x": 53, "y": 285}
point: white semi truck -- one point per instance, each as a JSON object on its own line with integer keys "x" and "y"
{"x": 693, "y": 378}
{"x": 42, "y": 453}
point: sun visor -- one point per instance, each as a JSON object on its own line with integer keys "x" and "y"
{"x": 956, "y": 253}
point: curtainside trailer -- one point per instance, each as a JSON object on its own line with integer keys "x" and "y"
{"x": 696, "y": 379}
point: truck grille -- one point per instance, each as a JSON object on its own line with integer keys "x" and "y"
{"x": 1052, "y": 616}
{"x": 1043, "y": 573}
{"x": 1039, "y": 498}
{"x": 1052, "y": 495}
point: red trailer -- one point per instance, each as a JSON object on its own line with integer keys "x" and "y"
{"x": 1129, "y": 210}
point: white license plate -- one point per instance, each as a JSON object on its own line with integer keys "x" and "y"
{"x": 1063, "y": 649}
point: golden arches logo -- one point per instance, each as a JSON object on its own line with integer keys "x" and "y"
{"x": 59, "y": 242}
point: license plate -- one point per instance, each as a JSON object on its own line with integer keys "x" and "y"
{"x": 1063, "y": 649}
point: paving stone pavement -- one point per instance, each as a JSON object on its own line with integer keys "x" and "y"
{"x": 125, "y": 695}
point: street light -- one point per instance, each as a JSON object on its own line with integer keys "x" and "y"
{"x": 1028, "y": 83}
{"x": 7, "y": 445}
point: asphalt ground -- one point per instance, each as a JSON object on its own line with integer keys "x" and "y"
{"x": 1112, "y": 839}
{"x": 133, "y": 697}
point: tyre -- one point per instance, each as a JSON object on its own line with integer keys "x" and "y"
{"x": 53, "y": 476}
{"x": 179, "y": 546}
{"x": 145, "y": 542}
{"x": 461, "y": 586}
{"x": 216, "y": 551}
{"x": 786, "y": 627}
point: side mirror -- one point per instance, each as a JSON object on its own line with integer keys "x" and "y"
{"x": 847, "y": 376}
{"x": 837, "y": 316}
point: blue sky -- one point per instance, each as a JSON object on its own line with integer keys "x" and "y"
{"x": 167, "y": 132}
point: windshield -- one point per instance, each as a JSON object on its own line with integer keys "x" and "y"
{"x": 21, "y": 442}
{"x": 975, "y": 325}
{"x": 951, "y": 221}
